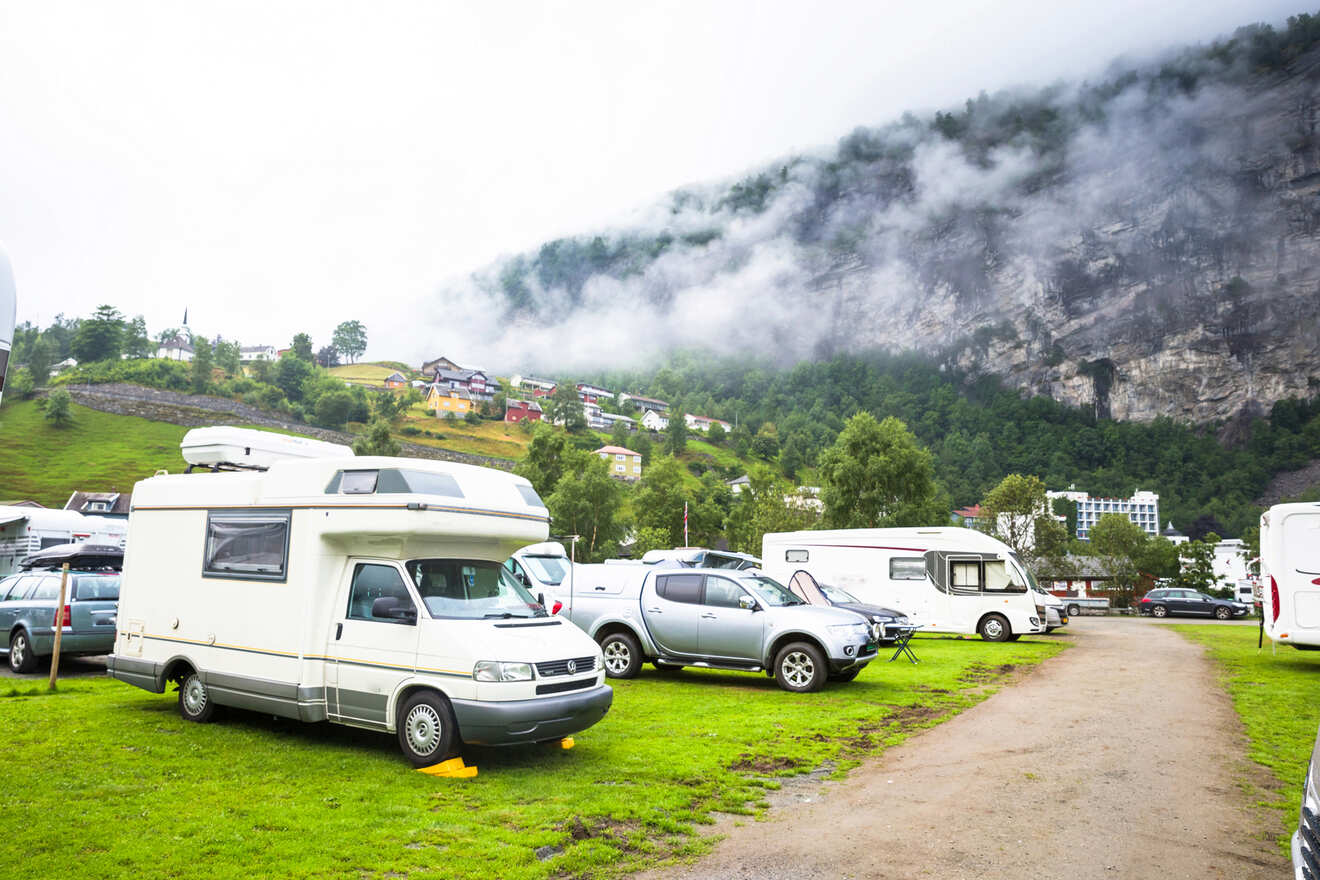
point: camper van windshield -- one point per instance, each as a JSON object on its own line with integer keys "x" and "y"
{"x": 471, "y": 589}
{"x": 548, "y": 570}
{"x": 1024, "y": 573}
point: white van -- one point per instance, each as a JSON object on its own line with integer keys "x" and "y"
{"x": 547, "y": 573}
{"x": 1290, "y": 573}
{"x": 366, "y": 591}
{"x": 25, "y": 530}
{"x": 951, "y": 580}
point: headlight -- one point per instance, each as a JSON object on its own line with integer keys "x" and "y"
{"x": 849, "y": 630}
{"x": 498, "y": 670}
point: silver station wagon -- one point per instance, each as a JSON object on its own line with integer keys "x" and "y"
{"x": 29, "y": 604}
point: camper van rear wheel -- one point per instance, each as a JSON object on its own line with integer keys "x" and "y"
{"x": 623, "y": 655}
{"x": 426, "y": 729}
{"x": 21, "y": 656}
{"x": 195, "y": 702}
{"x": 995, "y": 628}
{"x": 800, "y": 667}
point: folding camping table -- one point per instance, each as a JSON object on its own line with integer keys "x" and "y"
{"x": 902, "y": 646}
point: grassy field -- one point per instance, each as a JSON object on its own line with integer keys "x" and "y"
{"x": 99, "y": 452}
{"x": 363, "y": 374}
{"x": 495, "y": 439}
{"x": 107, "y": 780}
{"x": 1278, "y": 697}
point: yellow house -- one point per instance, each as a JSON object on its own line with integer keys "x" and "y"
{"x": 444, "y": 399}
{"x": 624, "y": 463}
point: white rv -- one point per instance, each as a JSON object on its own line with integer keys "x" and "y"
{"x": 946, "y": 579}
{"x": 1290, "y": 573}
{"x": 8, "y": 314}
{"x": 366, "y": 591}
{"x": 25, "y": 530}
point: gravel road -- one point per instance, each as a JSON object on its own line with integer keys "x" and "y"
{"x": 1122, "y": 757}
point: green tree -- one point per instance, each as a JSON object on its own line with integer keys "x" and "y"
{"x": 544, "y": 462}
{"x": 302, "y": 348}
{"x": 290, "y": 373}
{"x": 1119, "y": 543}
{"x": 100, "y": 337}
{"x": 876, "y": 475}
{"x": 388, "y": 405}
{"x": 648, "y": 539}
{"x": 58, "y": 411}
{"x": 200, "y": 369}
{"x": 676, "y": 435}
{"x": 587, "y": 502}
{"x": 228, "y": 357}
{"x": 765, "y": 505}
{"x": 20, "y": 383}
{"x": 658, "y": 501}
{"x": 333, "y": 408}
{"x": 1017, "y": 512}
{"x": 350, "y": 340}
{"x": 137, "y": 342}
{"x": 564, "y": 407}
{"x": 376, "y": 440}
{"x": 326, "y": 356}
{"x": 766, "y": 443}
{"x": 39, "y": 359}
{"x": 1159, "y": 558}
{"x": 620, "y": 435}
{"x": 641, "y": 444}
{"x": 1197, "y": 569}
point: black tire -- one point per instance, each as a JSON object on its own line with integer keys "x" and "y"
{"x": 195, "y": 703}
{"x": 427, "y": 730}
{"x": 623, "y": 655}
{"x": 1223, "y": 612}
{"x": 995, "y": 628}
{"x": 668, "y": 668}
{"x": 1159, "y": 611}
{"x": 1074, "y": 610}
{"x": 843, "y": 677}
{"x": 22, "y": 659}
{"x": 800, "y": 668}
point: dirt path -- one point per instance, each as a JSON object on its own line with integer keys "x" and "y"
{"x": 1122, "y": 757}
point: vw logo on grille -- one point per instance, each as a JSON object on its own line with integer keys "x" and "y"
{"x": 572, "y": 666}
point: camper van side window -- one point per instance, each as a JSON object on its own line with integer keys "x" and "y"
{"x": 252, "y": 545}
{"x": 965, "y": 577}
{"x": 358, "y": 482}
{"x": 797, "y": 556}
{"x": 907, "y": 568}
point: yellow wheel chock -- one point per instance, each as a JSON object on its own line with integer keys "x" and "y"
{"x": 454, "y": 768}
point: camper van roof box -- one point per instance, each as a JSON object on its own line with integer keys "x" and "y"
{"x": 226, "y": 448}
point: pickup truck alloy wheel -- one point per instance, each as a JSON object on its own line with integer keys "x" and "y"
{"x": 800, "y": 667}
{"x": 426, "y": 729}
{"x": 1222, "y": 612}
{"x": 623, "y": 655}
{"x": 21, "y": 656}
{"x": 1159, "y": 611}
{"x": 995, "y": 629}
{"x": 195, "y": 700}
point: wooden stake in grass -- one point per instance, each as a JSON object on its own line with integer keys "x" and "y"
{"x": 59, "y": 625}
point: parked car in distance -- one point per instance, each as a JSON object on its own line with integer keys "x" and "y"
{"x": 29, "y": 603}
{"x": 1306, "y": 840}
{"x": 700, "y": 557}
{"x": 887, "y": 624}
{"x": 1170, "y": 602}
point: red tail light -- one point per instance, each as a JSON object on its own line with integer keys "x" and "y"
{"x": 557, "y": 607}
{"x": 1274, "y": 600}
{"x": 66, "y": 619}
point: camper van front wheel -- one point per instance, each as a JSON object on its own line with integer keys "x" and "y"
{"x": 426, "y": 729}
{"x": 195, "y": 700}
{"x": 995, "y": 629}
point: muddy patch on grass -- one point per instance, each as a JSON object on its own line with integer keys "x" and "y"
{"x": 748, "y": 763}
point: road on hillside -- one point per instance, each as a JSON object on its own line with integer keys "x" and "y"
{"x": 1121, "y": 757}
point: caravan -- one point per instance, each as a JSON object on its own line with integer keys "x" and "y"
{"x": 946, "y": 579}
{"x": 25, "y": 530}
{"x": 365, "y": 591}
{"x": 1290, "y": 574}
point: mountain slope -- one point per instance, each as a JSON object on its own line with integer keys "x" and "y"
{"x": 1146, "y": 245}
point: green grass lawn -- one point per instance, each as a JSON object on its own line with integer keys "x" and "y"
{"x": 106, "y": 780}
{"x": 99, "y": 452}
{"x": 1278, "y": 697}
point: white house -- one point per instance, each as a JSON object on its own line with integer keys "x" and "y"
{"x": 256, "y": 353}
{"x": 644, "y": 402}
{"x": 654, "y": 420}
{"x": 175, "y": 348}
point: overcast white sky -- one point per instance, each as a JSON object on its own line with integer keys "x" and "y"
{"x": 279, "y": 167}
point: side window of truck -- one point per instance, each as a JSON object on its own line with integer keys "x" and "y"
{"x": 252, "y": 545}
{"x": 680, "y": 588}
{"x": 372, "y": 582}
{"x": 907, "y": 568}
{"x": 722, "y": 592}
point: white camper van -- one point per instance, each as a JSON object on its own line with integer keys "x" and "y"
{"x": 366, "y": 591}
{"x": 1290, "y": 574}
{"x": 946, "y": 579}
{"x": 25, "y": 530}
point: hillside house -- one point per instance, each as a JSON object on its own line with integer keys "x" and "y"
{"x": 654, "y": 420}
{"x": 176, "y": 348}
{"x": 624, "y": 463}
{"x": 477, "y": 384}
{"x": 396, "y": 380}
{"x": 256, "y": 353}
{"x": 537, "y": 387}
{"x": 737, "y": 485}
{"x": 111, "y": 504}
{"x": 440, "y": 363}
{"x": 967, "y": 516}
{"x": 644, "y": 402}
{"x": 444, "y": 400}
{"x": 701, "y": 423}
{"x": 522, "y": 411}
{"x": 589, "y": 393}
{"x": 605, "y": 421}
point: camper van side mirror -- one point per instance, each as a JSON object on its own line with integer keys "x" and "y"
{"x": 391, "y": 608}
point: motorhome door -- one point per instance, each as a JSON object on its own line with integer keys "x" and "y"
{"x": 966, "y": 580}
{"x": 372, "y": 645}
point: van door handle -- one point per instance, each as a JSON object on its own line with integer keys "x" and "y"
{"x": 653, "y": 611}
{"x": 600, "y": 589}
{"x": 709, "y": 616}
{"x": 339, "y": 631}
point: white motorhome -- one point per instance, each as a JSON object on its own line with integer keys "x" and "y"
{"x": 25, "y": 530}
{"x": 1290, "y": 574}
{"x": 951, "y": 580}
{"x": 8, "y": 314}
{"x": 367, "y": 591}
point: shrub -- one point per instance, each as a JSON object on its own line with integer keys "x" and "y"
{"x": 57, "y": 408}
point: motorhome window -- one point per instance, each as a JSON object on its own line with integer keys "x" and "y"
{"x": 796, "y": 556}
{"x": 549, "y": 570}
{"x": 680, "y": 588}
{"x": 722, "y": 592}
{"x": 471, "y": 589}
{"x": 250, "y": 545}
{"x": 96, "y": 587}
{"x": 772, "y": 592}
{"x": 372, "y": 582}
{"x": 1025, "y": 572}
{"x": 425, "y": 483}
{"x": 965, "y": 577}
{"x": 358, "y": 482}
{"x": 999, "y": 578}
{"x": 53, "y": 542}
{"x": 907, "y": 568}
{"x": 1301, "y": 537}
{"x": 530, "y": 497}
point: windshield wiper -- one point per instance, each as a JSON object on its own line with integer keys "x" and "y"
{"x": 502, "y": 615}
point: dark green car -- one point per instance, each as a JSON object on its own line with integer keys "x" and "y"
{"x": 28, "y": 605}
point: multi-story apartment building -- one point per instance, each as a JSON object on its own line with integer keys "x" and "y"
{"x": 1143, "y": 508}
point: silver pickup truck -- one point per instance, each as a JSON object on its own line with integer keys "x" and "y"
{"x": 715, "y": 618}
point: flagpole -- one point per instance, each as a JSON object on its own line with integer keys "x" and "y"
{"x": 685, "y": 533}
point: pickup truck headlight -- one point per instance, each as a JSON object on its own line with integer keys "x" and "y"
{"x": 847, "y": 631}
{"x": 498, "y": 670}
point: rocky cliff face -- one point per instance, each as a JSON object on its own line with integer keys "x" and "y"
{"x": 1148, "y": 246}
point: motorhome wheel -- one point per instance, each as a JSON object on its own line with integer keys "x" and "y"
{"x": 195, "y": 703}
{"x": 800, "y": 667}
{"x": 426, "y": 729}
{"x": 994, "y": 628}
{"x": 623, "y": 655}
{"x": 21, "y": 656}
